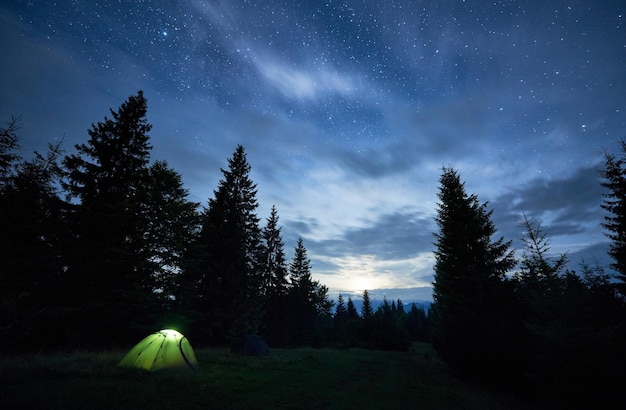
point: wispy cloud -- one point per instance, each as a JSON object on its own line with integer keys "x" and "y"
{"x": 303, "y": 84}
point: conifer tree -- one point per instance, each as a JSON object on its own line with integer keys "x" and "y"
{"x": 417, "y": 324}
{"x": 469, "y": 327}
{"x": 9, "y": 147}
{"x": 351, "y": 312}
{"x": 109, "y": 281}
{"x": 400, "y": 307}
{"x": 614, "y": 174}
{"x": 274, "y": 265}
{"x": 309, "y": 299}
{"x": 340, "y": 311}
{"x": 367, "y": 311}
{"x": 340, "y": 324}
{"x": 387, "y": 330}
{"x": 352, "y": 324}
{"x": 367, "y": 319}
{"x": 275, "y": 283}
{"x": 171, "y": 226}
{"x": 31, "y": 260}
{"x": 568, "y": 329}
{"x": 223, "y": 273}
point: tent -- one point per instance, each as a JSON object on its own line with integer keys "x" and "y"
{"x": 165, "y": 349}
{"x": 251, "y": 345}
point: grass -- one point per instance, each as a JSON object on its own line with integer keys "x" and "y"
{"x": 287, "y": 379}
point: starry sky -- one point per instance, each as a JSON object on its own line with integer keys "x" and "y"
{"x": 348, "y": 110}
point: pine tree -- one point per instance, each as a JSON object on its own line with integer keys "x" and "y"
{"x": 367, "y": 311}
{"x": 540, "y": 290}
{"x": 468, "y": 323}
{"x": 351, "y": 312}
{"x": 31, "y": 217}
{"x": 400, "y": 307}
{"x": 614, "y": 174}
{"x": 109, "y": 281}
{"x": 275, "y": 283}
{"x": 352, "y": 326}
{"x": 171, "y": 224}
{"x": 387, "y": 331}
{"x": 9, "y": 147}
{"x": 309, "y": 301}
{"x": 367, "y": 320}
{"x": 341, "y": 312}
{"x": 274, "y": 265}
{"x": 417, "y": 324}
{"x": 340, "y": 324}
{"x": 223, "y": 272}
{"x": 568, "y": 329}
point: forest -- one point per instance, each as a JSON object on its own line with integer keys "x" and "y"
{"x": 105, "y": 238}
{"x": 101, "y": 246}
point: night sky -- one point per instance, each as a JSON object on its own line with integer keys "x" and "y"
{"x": 347, "y": 110}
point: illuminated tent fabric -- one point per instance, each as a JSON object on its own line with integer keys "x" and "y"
{"x": 165, "y": 349}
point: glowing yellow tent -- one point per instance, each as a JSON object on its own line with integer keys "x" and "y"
{"x": 165, "y": 349}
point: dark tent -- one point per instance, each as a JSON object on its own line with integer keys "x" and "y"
{"x": 252, "y": 345}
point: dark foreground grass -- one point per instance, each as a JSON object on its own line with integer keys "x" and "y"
{"x": 287, "y": 379}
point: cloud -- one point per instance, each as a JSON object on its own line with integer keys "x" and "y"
{"x": 385, "y": 160}
{"x": 564, "y": 205}
{"x": 303, "y": 84}
{"x": 353, "y": 273}
{"x": 591, "y": 255}
{"x": 339, "y": 202}
{"x": 395, "y": 251}
{"x": 393, "y": 236}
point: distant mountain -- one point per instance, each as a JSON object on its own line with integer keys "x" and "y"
{"x": 407, "y": 305}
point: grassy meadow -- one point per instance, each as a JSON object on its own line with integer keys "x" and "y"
{"x": 287, "y": 379}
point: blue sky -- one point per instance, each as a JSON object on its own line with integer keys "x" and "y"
{"x": 347, "y": 109}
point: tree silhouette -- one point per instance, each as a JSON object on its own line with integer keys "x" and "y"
{"x": 171, "y": 224}
{"x": 31, "y": 258}
{"x": 467, "y": 320}
{"x": 614, "y": 174}
{"x": 9, "y": 146}
{"x": 367, "y": 319}
{"x": 223, "y": 272}
{"x": 309, "y": 301}
{"x": 108, "y": 279}
{"x": 273, "y": 262}
{"x": 275, "y": 283}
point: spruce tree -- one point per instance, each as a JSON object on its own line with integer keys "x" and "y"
{"x": 351, "y": 312}
{"x": 468, "y": 322}
{"x": 309, "y": 301}
{"x": 275, "y": 283}
{"x": 171, "y": 224}
{"x": 340, "y": 311}
{"x": 417, "y": 324}
{"x": 223, "y": 272}
{"x": 352, "y": 324}
{"x": 109, "y": 281}
{"x": 367, "y": 311}
{"x": 31, "y": 259}
{"x": 340, "y": 325}
{"x": 569, "y": 327}
{"x": 273, "y": 262}
{"x": 367, "y": 320}
{"x": 9, "y": 147}
{"x": 614, "y": 174}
